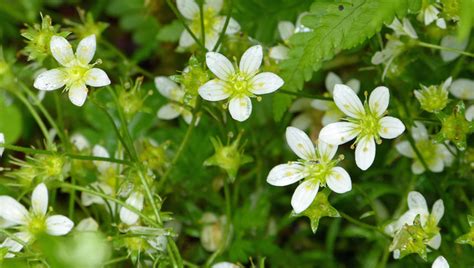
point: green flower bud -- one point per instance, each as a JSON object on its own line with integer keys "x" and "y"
{"x": 433, "y": 98}
{"x": 154, "y": 156}
{"x": 469, "y": 237}
{"x": 40, "y": 168}
{"x": 193, "y": 77}
{"x": 87, "y": 26}
{"x": 132, "y": 100}
{"x": 455, "y": 127}
{"x": 318, "y": 209}
{"x": 229, "y": 157}
{"x": 410, "y": 239}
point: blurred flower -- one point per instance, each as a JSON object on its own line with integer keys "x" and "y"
{"x": 433, "y": 98}
{"x": 178, "y": 106}
{"x": 87, "y": 225}
{"x": 135, "y": 200}
{"x": 452, "y": 41}
{"x": 224, "y": 265}
{"x": 76, "y": 72}
{"x": 241, "y": 84}
{"x": 213, "y": 22}
{"x": 462, "y": 88}
{"x": 403, "y": 29}
{"x": 32, "y": 223}
{"x": 430, "y": 14}
{"x": 366, "y": 122}
{"x": 469, "y": 115}
{"x": 440, "y": 262}
{"x": 305, "y": 117}
{"x": 2, "y": 140}
{"x": 387, "y": 55}
{"x": 436, "y": 155}
{"x": 469, "y": 237}
{"x": 455, "y": 126}
{"x": 315, "y": 166}
{"x": 332, "y": 113}
{"x": 212, "y": 232}
{"x": 87, "y": 26}
{"x": 287, "y": 29}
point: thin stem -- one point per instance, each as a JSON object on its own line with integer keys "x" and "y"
{"x": 183, "y": 21}
{"x": 302, "y": 94}
{"x": 417, "y": 152}
{"x": 423, "y": 44}
{"x": 201, "y": 15}
{"x": 224, "y": 29}
{"x": 361, "y": 224}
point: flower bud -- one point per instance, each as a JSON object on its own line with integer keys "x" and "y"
{"x": 433, "y": 98}
{"x": 87, "y": 26}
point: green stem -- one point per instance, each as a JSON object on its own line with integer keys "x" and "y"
{"x": 224, "y": 29}
{"x": 183, "y": 21}
{"x": 304, "y": 95}
{"x": 428, "y": 45}
{"x": 361, "y": 224}
{"x": 201, "y": 15}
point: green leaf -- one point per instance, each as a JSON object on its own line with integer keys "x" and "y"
{"x": 318, "y": 209}
{"x": 335, "y": 26}
{"x": 11, "y": 122}
{"x": 466, "y": 20}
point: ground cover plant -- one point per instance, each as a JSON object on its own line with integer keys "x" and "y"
{"x": 236, "y": 133}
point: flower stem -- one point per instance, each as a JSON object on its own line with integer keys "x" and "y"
{"x": 304, "y": 95}
{"x": 428, "y": 45}
{"x": 361, "y": 224}
{"x": 224, "y": 29}
{"x": 183, "y": 21}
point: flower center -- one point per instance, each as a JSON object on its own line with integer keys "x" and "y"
{"x": 210, "y": 20}
{"x": 427, "y": 150}
{"x": 37, "y": 224}
{"x": 76, "y": 73}
{"x": 369, "y": 125}
{"x": 239, "y": 85}
{"x": 318, "y": 171}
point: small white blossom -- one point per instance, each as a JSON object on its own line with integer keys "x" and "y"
{"x": 286, "y": 30}
{"x": 332, "y": 113}
{"x": 417, "y": 206}
{"x": 436, "y": 155}
{"x": 87, "y": 225}
{"x": 430, "y": 14}
{"x": 31, "y": 223}
{"x": 393, "y": 48}
{"x": 315, "y": 166}
{"x": 462, "y": 88}
{"x": 169, "y": 89}
{"x": 238, "y": 84}
{"x": 440, "y": 262}
{"x": 452, "y": 41}
{"x": 213, "y": 22}
{"x": 366, "y": 122}
{"x": 135, "y": 200}
{"x": 304, "y": 119}
{"x": 76, "y": 72}
{"x": 403, "y": 29}
{"x": 79, "y": 141}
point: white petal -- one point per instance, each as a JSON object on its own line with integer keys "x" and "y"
{"x": 86, "y": 49}
{"x": 417, "y": 201}
{"x": 300, "y": 143}
{"x": 50, "y": 80}
{"x": 339, "y": 133}
{"x": 286, "y": 30}
{"x": 417, "y": 167}
{"x": 326, "y": 151}
{"x": 440, "y": 262}
{"x": 431, "y": 14}
{"x": 438, "y": 210}
{"x": 304, "y": 196}
{"x": 251, "y": 60}
{"x": 212, "y": 36}
{"x": 331, "y": 116}
{"x": 214, "y": 90}
{"x": 285, "y": 174}
{"x": 409, "y": 30}
{"x": 11, "y": 210}
{"x": 452, "y": 41}
{"x": 135, "y": 200}
{"x": 79, "y": 141}
{"x": 232, "y": 28}
{"x": 88, "y": 199}
{"x": 339, "y": 180}
{"x": 61, "y": 50}
{"x": 441, "y": 23}
{"x": 78, "y": 94}
{"x": 58, "y": 225}
{"x": 435, "y": 242}
{"x": 188, "y": 8}
{"x": 347, "y": 101}
{"x": 463, "y": 89}
{"x": 331, "y": 81}
{"x": 279, "y": 52}
{"x": 419, "y": 132}
{"x": 390, "y": 127}
{"x": 2, "y": 140}
{"x": 186, "y": 39}
{"x": 378, "y": 100}
{"x": 266, "y": 82}
{"x": 436, "y": 164}
{"x": 87, "y": 225}
{"x": 354, "y": 84}
{"x": 404, "y": 148}
{"x": 322, "y": 105}
{"x": 168, "y": 88}
{"x": 469, "y": 113}
{"x": 39, "y": 199}
{"x": 96, "y": 77}
{"x": 365, "y": 153}
{"x": 240, "y": 108}
{"x": 302, "y": 121}
{"x": 100, "y": 151}
{"x": 219, "y": 65}
{"x": 13, "y": 245}
{"x": 169, "y": 111}
{"x": 215, "y": 5}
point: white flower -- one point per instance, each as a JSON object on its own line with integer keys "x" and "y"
{"x": 417, "y": 206}
{"x": 332, "y": 113}
{"x": 436, "y": 155}
{"x": 366, "y": 122}
{"x": 440, "y": 262}
{"x": 392, "y": 49}
{"x": 135, "y": 200}
{"x": 287, "y": 29}
{"x": 315, "y": 166}
{"x": 304, "y": 119}
{"x": 239, "y": 84}
{"x": 87, "y": 225}
{"x": 452, "y": 41}
{"x": 462, "y": 88}
{"x": 469, "y": 113}
{"x": 169, "y": 89}
{"x": 2, "y": 140}
{"x": 31, "y": 223}
{"x": 213, "y": 22}
{"x": 403, "y": 29}
{"x": 76, "y": 72}
{"x": 79, "y": 141}
{"x": 430, "y": 14}
{"x": 224, "y": 265}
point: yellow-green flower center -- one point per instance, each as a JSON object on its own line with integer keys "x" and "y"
{"x": 76, "y": 73}
{"x": 209, "y": 21}
{"x": 37, "y": 224}
{"x": 239, "y": 85}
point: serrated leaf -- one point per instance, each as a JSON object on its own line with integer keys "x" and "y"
{"x": 335, "y": 26}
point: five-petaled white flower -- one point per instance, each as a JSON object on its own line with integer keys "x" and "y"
{"x": 238, "y": 84}
{"x": 76, "y": 72}
{"x": 440, "y": 262}
{"x": 169, "y": 89}
{"x": 31, "y": 223}
{"x": 332, "y": 113}
{"x": 315, "y": 166}
{"x": 213, "y": 22}
{"x": 436, "y": 155}
{"x": 417, "y": 206}
{"x": 366, "y": 122}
